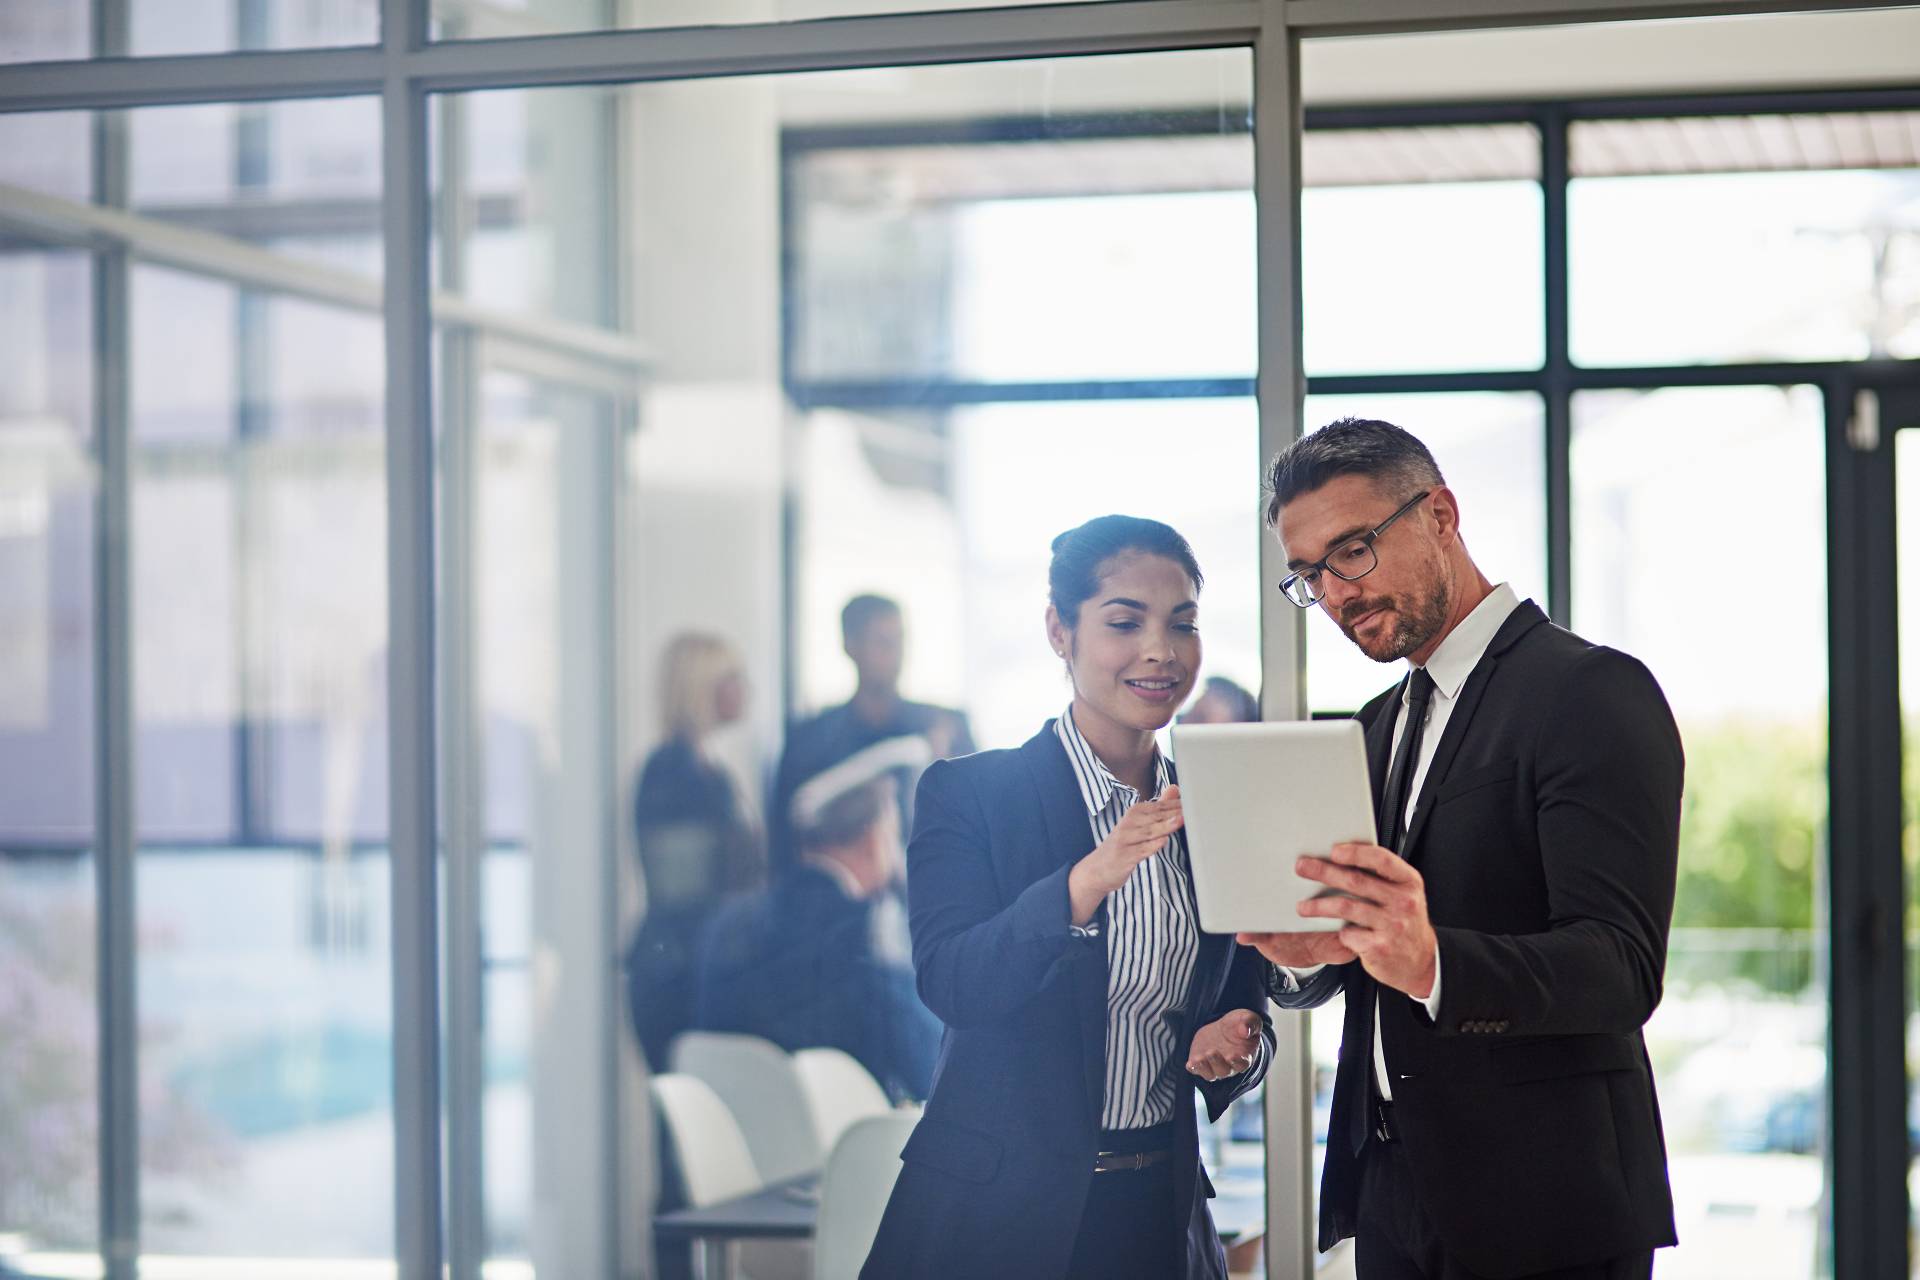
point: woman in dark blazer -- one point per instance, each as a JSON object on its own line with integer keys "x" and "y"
{"x": 1054, "y": 933}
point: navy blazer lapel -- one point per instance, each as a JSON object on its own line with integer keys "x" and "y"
{"x": 1523, "y": 619}
{"x": 1069, "y": 838}
{"x": 1069, "y": 831}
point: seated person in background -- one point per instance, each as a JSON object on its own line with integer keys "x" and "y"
{"x": 822, "y": 957}
{"x": 874, "y": 636}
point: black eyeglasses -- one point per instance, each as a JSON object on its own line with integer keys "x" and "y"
{"x": 1350, "y": 561}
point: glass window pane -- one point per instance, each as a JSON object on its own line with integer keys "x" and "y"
{"x": 938, "y": 257}
{"x": 529, "y": 473}
{"x": 1762, "y": 237}
{"x": 1739, "y": 1042}
{"x": 1028, "y": 277}
{"x": 257, "y": 544}
{"x": 41, "y": 30}
{"x": 487, "y": 19}
{"x": 1491, "y": 447}
{"x": 970, "y": 564}
{"x": 259, "y": 579}
{"x": 49, "y": 1013}
{"x": 1421, "y": 250}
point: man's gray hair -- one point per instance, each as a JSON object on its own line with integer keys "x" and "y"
{"x": 1392, "y": 456}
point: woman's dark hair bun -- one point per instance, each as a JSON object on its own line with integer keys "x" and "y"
{"x": 1080, "y": 553}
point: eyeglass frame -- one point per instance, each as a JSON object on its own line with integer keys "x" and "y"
{"x": 1369, "y": 537}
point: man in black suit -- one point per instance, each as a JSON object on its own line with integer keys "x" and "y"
{"x": 1494, "y": 1111}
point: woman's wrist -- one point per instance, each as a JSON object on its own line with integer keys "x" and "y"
{"x": 1085, "y": 890}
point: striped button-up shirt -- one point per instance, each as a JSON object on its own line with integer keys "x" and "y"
{"x": 1153, "y": 939}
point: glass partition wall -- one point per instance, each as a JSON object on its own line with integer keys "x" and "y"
{"x": 363, "y": 460}
{"x": 255, "y": 508}
{"x": 675, "y": 493}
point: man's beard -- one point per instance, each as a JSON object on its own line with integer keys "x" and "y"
{"x": 1416, "y": 620}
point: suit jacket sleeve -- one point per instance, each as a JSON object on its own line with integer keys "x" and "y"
{"x": 976, "y": 959}
{"x": 1246, "y": 989}
{"x": 1319, "y": 988}
{"x": 1608, "y": 770}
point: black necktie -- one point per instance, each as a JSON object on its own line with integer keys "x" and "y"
{"x": 1391, "y": 824}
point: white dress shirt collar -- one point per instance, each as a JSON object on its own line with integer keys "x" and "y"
{"x": 1097, "y": 783}
{"x": 1467, "y": 643}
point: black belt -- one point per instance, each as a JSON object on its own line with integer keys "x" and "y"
{"x": 1115, "y": 1162}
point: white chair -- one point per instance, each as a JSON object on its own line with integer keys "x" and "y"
{"x": 715, "y": 1163}
{"x": 854, "y": 1190}
{"x": 839, "y": 1091}
{"x": 758, "y": 1082}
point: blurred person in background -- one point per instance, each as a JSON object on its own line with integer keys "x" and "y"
{"x": 697, "y": 840}
{"x": 873, "y": 633}
{"x": 821, "y": 957}
{"x": 1221, "y": 701}
{"x": 1055, "y": 934}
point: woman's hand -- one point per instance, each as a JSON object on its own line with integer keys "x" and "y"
{"x": 1226, "y": 1047}
{"x": 1139, "y": 835}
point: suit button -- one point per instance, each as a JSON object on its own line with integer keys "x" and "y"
{"x": 1500, "y": 1025}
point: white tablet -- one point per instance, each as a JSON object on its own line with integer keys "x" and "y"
{"x": 1256, "y": 797}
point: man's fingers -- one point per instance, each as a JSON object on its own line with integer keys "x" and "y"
{"x": 1360, "y": 941}
{"x": 1297, "y": 949}
{"x": 1382, "y": 862}
{"x": 1362, "y": 884}
{"x": 1355, "y": 911}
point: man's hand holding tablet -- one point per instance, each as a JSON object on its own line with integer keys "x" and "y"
{"x": 1382, "y": 903}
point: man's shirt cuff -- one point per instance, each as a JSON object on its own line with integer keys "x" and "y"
{"x": 1432, "y": 1003}
{"x": 1297, "y": 978}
